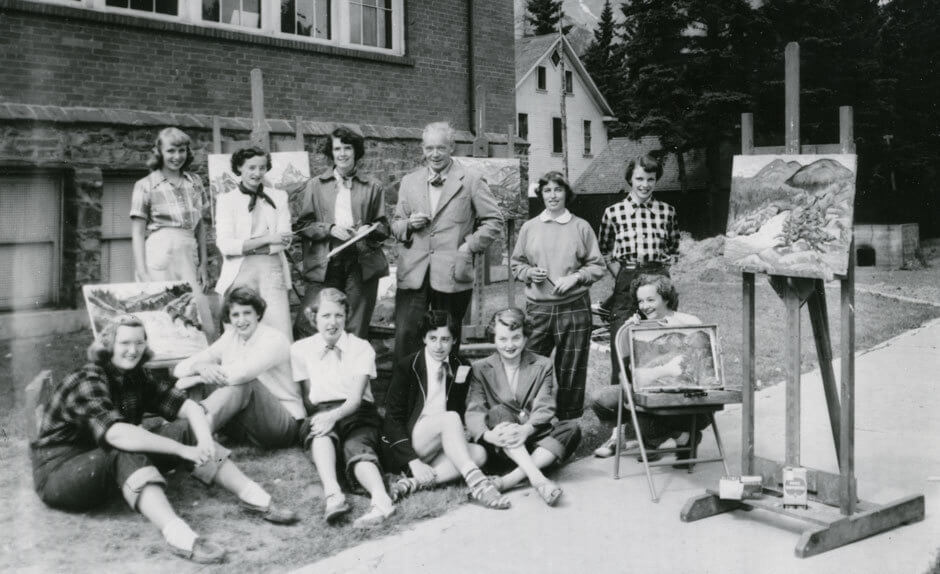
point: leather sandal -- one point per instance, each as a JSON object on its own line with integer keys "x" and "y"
{"x": 271, "y": 513}
{"x": 550, "y": 492}
{"x": 202, "y": 552}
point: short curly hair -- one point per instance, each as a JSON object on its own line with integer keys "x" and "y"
{"x": 243, "y": 296}
{"x": 512, "y": 318}
{"x": 435, "y": 319}
{"x": 170, "y": 136}
{"x": 101, "y": 350}
{"x": 346, "y": 136}
{"x": 241, "y": 156}
{"x": 663, "y": 285}
{"x": 559, "y": 178}
{"x": 647, "y": 162}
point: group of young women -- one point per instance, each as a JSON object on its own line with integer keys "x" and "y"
{"x": 516, "y": 410}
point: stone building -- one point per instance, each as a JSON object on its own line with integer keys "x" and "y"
{"x": 85, "y": 85}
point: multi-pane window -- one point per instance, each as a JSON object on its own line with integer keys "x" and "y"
{"x": 167, "y": 7}
{"x": 540, "y": 72}
{"x": 556, "y": 135}
{"x": 244, "y": 13}
{"x": 523, "y": 127}
{"x": 370, "y": 23}
{"x": 587, "y": 137}
{"x": 306, "y": 18}
{"x": 569, "y": 82}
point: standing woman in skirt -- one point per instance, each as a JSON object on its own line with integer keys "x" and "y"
{"x": 557, "y": 257}
{"x": 252, "y": 231}
{"x": 168, "y": 234}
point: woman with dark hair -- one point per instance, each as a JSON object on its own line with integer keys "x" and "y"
{"x": 252, "y": 231}
{"x": 338, "y": 204}
{"x": 91, "y": 444}
{"x": 557, "y": 257}
{"x": 655, "y": 299}
{"x": 511, "y": 408}
{"x": 247, "y": 373}
{"x": 167, "y": 208}
{"x": 423, "y": 433}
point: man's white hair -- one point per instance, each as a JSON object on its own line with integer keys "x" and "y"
{"x": 439, "y": 127}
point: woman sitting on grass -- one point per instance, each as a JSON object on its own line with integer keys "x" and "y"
{"x": 423, "y": 432}
{"x": 334, "y": 367}
{"x": 91, "y": 443}
{"x": 511, "y": 408}
{"x": 657, "y": 300}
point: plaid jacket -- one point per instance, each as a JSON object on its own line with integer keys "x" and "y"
{"x": 633, "y": 232}
{"x": 85, "y": 405}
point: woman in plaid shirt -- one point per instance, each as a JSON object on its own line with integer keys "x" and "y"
{"x": 637, "y": 235}
{"x": 91, "y": 444}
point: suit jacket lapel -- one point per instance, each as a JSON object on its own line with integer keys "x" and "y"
{"x": 420, "y": 369}
{"x": 502, "y": 388}
{"x": 451, "y": 186}
{"x": 526, "y": 378}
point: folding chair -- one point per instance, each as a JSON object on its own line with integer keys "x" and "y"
{"x": 665, "y": 405}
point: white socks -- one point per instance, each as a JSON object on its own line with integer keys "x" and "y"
{"x": 177, "y": 533}
{"x": 255, "y": 495}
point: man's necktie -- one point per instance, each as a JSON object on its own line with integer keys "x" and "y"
{"x": 437, "y": 180}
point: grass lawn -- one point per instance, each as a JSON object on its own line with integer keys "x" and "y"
{"x": 113, "y": 538}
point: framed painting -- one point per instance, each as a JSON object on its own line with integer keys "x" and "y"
{"x": 675, "y": 359}
{"x": 792, "y": 215}
{"x": 166, "y": 308}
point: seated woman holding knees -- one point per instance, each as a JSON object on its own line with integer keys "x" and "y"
{"x": 423, "y": 432}
{"x": 511, "y": 408}
{"x": 656, "y": 300}
{"x": 253, "y": 394}
{"x": 335, "y": 367}
{"x": 91, "y": 443}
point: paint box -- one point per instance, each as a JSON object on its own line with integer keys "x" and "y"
{"x": 795, "y": 491}
{"x": 753, "y": 486}
{"x": 740, "y": 487}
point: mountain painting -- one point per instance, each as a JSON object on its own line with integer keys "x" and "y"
{"x": 290, "y": 170}
{"x": 791, "y": 215}
{"x": 166, "y": 308}
{"x": 503, "y": 177}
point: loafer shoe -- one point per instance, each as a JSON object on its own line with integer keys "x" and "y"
{"x": 272, "y": 513}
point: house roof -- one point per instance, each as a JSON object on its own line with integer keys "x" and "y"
{"x": 605, "y": 174}
{"x": 533, "y": 49}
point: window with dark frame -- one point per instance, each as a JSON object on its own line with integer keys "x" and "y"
{"x": 306, "y": 18}
{"x": 522, "y": 126}
{"x": 569, "y": 82}
{"x": 556, "y": 135}
{"x": 587, "y": 137}
{"x": 540, "y": 71}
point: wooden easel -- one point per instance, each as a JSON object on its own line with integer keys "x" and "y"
{"x": 836, "y": 515}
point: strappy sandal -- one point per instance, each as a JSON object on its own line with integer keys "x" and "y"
{"x": 489, "y": 496}
{"x": 202, "y": 552}
{"x": 550, "y": 492}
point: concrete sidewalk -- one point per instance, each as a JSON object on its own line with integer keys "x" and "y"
{"x": 604, "y": 525}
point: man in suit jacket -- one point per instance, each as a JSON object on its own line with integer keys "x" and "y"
{"x": 438, "y": 208}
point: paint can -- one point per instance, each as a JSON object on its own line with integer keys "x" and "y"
{"x": 795, "y": 489}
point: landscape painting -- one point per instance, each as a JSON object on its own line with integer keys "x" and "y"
{"x": 166, "y": 308}
{"x": 503, "y": 176}
{"x": 792, "y": 215}
{"x": 290, "y": 171}
{"x": 675, "y": 359}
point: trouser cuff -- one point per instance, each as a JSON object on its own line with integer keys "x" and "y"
{"x": 136, "y": 482}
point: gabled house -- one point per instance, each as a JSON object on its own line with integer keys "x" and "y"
{"x": 539, "y": 62}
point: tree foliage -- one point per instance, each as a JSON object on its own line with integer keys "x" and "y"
{"x": 545, "y": 15}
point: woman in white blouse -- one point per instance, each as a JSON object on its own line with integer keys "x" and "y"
{"x": 252, "y": 231}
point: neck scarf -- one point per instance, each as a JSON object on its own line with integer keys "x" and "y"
{"x": 258, "y": 193}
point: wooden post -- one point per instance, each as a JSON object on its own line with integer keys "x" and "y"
{"x": 259, "y": 126}
{"x": 564, "y": 104}
{"x": 819, "y": 319}
{"x": 847, "y": 437}
{"x": 793, "y": 306}
{"x": 792, "y": 105}
{"x": 748, "y": 317}
{"x": 299, "y": 132}
{"x": 481, "y": 146}
{"x": 747, "y": 134}
{"x": 510, "y": 223}
{"x": 216, "y": 135}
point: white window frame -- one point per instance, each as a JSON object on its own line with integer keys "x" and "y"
{"x": 190, "y": 12}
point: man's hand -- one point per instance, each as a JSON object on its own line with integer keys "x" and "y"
{"x": 211, "y": 373}
{"x": 418, "y": 220}
{"x": 340, "y": 232}
{"x": 565, "y": 284}
{"x": 422, "y": 472}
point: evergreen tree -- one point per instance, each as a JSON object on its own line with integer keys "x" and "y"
{"x": 544, "y": 15}
{"x": 599, "y": 60}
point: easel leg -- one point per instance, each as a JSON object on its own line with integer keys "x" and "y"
{"x": 747, "y": 365}
{"x": 721, "y": 448}
{"x": 819, "y": 320}
{"x": 793, "y": 304}
{"x": 706, "y": 505}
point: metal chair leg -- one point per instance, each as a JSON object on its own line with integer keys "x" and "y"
{"x": 619, "y": 435}
{"x": 625, "y": 387}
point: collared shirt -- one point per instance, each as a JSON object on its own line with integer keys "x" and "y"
{"x": 565, "y": 217}
{"x": 632, "y": 232}
{"x": 343, "y": 215}
{"x": 434, "y": 191}
{"x": 93, "y": 398}
{"x": 161, "y": 204}
{"x": 436, "y": 401}
{"x": 332, "y": 372}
